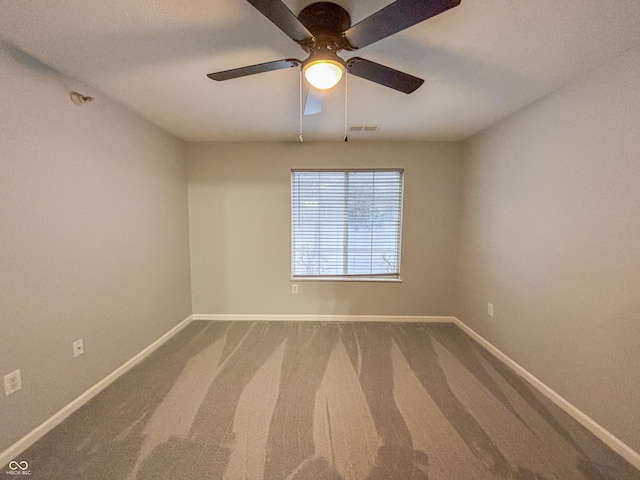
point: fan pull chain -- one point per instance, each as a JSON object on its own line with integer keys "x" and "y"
{"x": 346, "y": 104}
{"x": 300, "y": 137}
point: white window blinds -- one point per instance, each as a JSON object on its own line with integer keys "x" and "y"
{"x": 346, "y": 223}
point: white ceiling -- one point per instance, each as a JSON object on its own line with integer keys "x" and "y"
{"x": 481, "y": 61}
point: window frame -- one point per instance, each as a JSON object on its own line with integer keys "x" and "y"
{"x": 370, "y": 277}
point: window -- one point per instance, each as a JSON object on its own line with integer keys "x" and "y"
{"x": 346, "y": 224}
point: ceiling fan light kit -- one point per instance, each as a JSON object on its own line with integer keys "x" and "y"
{"x": 323, "y": 69}
{"x": 323, "y": 74}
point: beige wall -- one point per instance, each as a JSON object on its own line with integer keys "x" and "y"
{"x": 93, "y": 239}
{"x": 240, "y": 221}
{"x": 551, "y": 236}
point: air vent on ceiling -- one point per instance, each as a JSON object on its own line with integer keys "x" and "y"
{"x": 363, "y": 128}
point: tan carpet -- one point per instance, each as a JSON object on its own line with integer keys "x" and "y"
{"x": 296, "y": 400}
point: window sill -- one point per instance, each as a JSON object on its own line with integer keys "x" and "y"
{"x": 346, "y": 279}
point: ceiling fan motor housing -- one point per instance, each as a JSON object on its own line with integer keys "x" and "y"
{"x": 327, "y": 22}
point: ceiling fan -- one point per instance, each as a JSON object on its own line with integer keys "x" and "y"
{"x": 323, "y": 29}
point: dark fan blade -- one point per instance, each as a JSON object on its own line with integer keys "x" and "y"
{"x": 253, "y": 69}
{"x": 394, "y": 18}
{"x": 374, "y": 72}
{"x": 284, "y": 19}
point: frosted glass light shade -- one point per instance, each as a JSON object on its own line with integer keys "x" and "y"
{"x": 323, "y": 74}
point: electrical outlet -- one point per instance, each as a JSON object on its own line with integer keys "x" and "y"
{"x": 78, "y": 348}
{"x": 12, "y": 382}
{"x": 490, "y": 309}
{"x": 294, "y": 288}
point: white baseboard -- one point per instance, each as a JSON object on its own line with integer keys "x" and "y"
{"x": 319, "y": 318}
{"x": 598, "y": 430}
{"x": 41, "y": 430}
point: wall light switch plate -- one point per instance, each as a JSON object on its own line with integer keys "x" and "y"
{"x": 78, "y": 348}
{"x": 294, "y": 288}
{"x": 12, "y": 382}
{"x": 490, "y": 309}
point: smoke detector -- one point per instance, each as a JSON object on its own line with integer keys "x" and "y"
{"x": 79, "y": 99}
